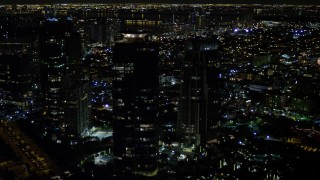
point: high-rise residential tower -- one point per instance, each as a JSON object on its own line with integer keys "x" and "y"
{"x": 196, "y": 113}
{"x": 76, "y": 105}
{"x": 18, "y": 74}
{"x": 59, "y": 54}
{"x": 135, "y": 107}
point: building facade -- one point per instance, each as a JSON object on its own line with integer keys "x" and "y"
{"x": 76, "y": 106}
{"x": 135, "y": 107}
{"x": 59, "y": 54}
{"x": 197, "y": 111}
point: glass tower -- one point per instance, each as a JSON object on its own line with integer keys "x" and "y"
{"x": 197, "y": 102}
{"x": 135, "y": 107}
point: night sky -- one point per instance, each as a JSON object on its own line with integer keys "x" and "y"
{"x": 309, "y": 2}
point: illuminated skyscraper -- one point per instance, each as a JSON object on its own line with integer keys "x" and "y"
{"x": 135, "y": 107}
{"x": 196, "y": 113}
{"x": 75, "y": 107}
{"x": 18, "y": 73}
{"x": 59, "y": 54}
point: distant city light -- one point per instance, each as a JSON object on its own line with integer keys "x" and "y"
{"x": 52, "y": 19}
{"x": 318, "y": 61}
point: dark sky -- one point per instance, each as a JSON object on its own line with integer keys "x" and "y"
{"x": 309, "y": 2}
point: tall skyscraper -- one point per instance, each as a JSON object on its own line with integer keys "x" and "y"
{"x": 59, "y": 54}
{"x": 196, "y": 105}
{"x": 135, "y": 106}
{"x": 76, "y": 107}
{"x": 18, "y": 73}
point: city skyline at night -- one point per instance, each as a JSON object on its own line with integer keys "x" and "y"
{"x": 270, "y": 2}
{"x": 128, "y": 90}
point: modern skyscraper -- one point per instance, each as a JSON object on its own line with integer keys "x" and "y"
{"x": 135, "y": 107}
{"x": 196, "y": 105}
{"x": 59, "y": 54}
{"x": 76, "y": 107}
{"x": 18, "y": 73}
